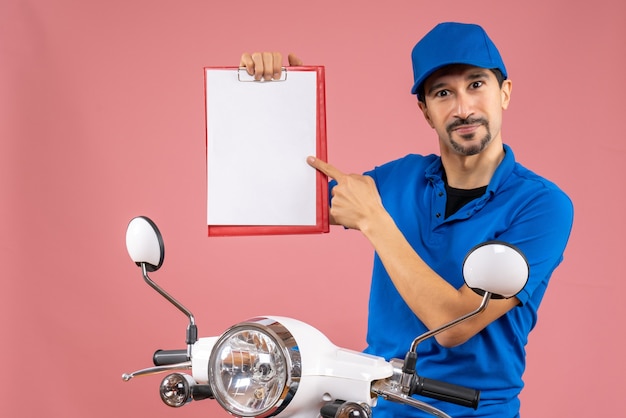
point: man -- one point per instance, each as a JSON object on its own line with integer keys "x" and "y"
{"x": 422, "y": 214}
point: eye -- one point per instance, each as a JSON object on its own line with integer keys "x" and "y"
{"x": 476, "y": 84}
{"x": 442, "y": 93}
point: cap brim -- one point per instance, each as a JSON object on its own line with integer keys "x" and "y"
{"x": 425, "y": 76}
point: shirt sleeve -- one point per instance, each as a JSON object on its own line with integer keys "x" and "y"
{"x": 541, "y": 230}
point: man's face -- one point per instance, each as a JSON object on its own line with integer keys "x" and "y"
{"x": 464, "y": 105}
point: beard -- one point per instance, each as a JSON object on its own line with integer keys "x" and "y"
{"x": 469, "y": 149}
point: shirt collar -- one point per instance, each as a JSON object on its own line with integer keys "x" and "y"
{"x": 435, "y": 170}
{"x": 504, "y": 170}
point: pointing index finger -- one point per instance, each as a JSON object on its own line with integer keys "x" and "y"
{"x": 328, "y": 169}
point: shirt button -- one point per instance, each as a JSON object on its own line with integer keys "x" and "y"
{"x": 438, "y": 215}
{"x": 440, "y": 194}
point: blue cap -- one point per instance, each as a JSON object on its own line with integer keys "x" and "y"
{"x": 453, "y": 43}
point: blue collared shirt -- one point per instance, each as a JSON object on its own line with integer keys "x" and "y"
{"x": 518, "y": 207}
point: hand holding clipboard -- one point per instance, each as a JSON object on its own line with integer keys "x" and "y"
{"x": 266, "y": 65}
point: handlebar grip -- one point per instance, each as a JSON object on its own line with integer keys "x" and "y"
{"x": 447, "y": 392}
{"x": 167, "y": 357}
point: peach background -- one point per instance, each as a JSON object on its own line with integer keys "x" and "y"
{"x": 101, "y": 107}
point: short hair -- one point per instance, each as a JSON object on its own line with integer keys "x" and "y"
{"x": 421, "y": 94}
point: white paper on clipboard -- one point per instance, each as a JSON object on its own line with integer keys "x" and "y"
{"x": 259, "y": 134}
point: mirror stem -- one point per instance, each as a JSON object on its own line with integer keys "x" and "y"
{"x": 192, "y": 331}
{"x": 432, "y": 333}
{"x": 410, "y": 360}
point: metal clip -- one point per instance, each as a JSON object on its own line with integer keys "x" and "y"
{"x": 243, "y": 76}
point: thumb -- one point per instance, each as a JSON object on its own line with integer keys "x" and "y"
{"x": 294, "y": 60}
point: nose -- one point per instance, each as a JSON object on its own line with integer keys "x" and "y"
{"x": 464, "y": 106}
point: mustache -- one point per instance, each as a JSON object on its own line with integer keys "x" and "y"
{"x": 467, "y": 121}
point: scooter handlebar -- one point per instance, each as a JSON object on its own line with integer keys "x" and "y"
{"x": 167, "y": 357}
{"x": 447, "y": 392}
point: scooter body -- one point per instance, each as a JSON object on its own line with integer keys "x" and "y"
{"x": 279, "y": 366}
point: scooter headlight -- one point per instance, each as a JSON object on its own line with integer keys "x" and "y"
{"x": 254, "y": 368}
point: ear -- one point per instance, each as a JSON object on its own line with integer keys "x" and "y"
{"x": 505, "y": 93}
{"x": 425, "y": 112}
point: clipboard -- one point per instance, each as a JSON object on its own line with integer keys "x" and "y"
{"x": 258, "y": 135}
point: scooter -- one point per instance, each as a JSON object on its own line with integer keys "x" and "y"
{"x": 274, "y": 366}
